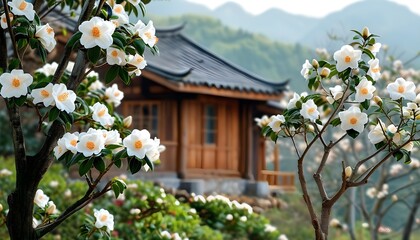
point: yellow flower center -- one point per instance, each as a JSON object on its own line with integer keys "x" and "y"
{"x": 4, "y": 20}
{"x": 114, "y": 53}
{"x": 139, "y": 59}
{"x": 401, "y": 89}
{"x": 73, "y": 142}
{"x": 311, "y": 110}
{"x": 364, "y": 91}
{"x": 118, "y": 9}
{"x": 50, "y": 30}
{"x": 347, "y": 59}
{"x": 101, "y": 113}
{"x": 90, "y": 145}
{"x": 148, "y": 34}
{"x": 96, "y": 32}
{"x": 22, "y": 5}
{"x": 63, "y": 97}
{"x": 376, "y": 70}
{"x": 156, "y": 40}
{"x": 138, "y": 144}
{"x": 16, "y": 83}
{"x": 45, "y": 93}
{"x": 116, "y": 94}
{"x": 353, "y": 120}
{"x": 103, "y": 218}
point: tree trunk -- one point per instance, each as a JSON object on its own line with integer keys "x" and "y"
{"x": 411, "y": 218}
{"x": 325, "y": 221}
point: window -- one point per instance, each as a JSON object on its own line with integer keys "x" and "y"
{"x": 210, "y": 124}
{"x": 145, "y": 116}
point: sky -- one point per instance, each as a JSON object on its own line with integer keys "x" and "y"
{"x": 312, "y": 8}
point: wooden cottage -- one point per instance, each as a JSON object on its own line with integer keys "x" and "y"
{"x": 202, "y": 107}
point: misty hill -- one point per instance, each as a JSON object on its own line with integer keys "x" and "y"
{"x": 396, "y": 23}
{"x": 274, "y": 61}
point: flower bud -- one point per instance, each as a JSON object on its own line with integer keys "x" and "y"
{"x": 315, "y": 63}
{"x": 51, "y": 208}
{"x": 365, "y": 33}
{"x": 417, "y": 100}
{"x": 325, "y": 72}
{"x": 348, "y": 172}
{"x": 1, "y": 207}
{"x": 377, "y": 100}
{"x": 330, "y": 100}
{"x": 310, "y": 128}
{"x": 128, "y": 121}
{"x": 394, "y": 198}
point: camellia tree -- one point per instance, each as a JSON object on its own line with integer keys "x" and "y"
{"x": 392, "y": 123}
{"x": 75, "y": 112}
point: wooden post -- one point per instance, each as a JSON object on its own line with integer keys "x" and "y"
{"x": 182, "y": 140}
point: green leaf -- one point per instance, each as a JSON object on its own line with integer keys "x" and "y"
{"x": 352, "y": 133}
{"x": 85, "y": 166}
{"x": 14, "y": 63}
{"x": 75, "y": 38}
{"x": 99, "y": 164}
{"x": 121, "y": 154}
{"x": 150, "y": 163}
{"x": 112, "y": 73}
{"x": 75, "y": 159}
{"x": 94, "y": 54}
{"x": 366, "y": 104}
{"x": 113, "y": 146}
{"x": 20, "y": 101}
{"x": 66, "y": 117}
{"x": 134, "y": 165}
{"x": 53, "y": 114}
{"x": 120, "y": 37}
{"x": 116, "y": 189}
{"x": 118, "y": 163}
{"x": 335, "y": 122}
{"x": 124, "y": 76}
{"x": 139, "y": 45}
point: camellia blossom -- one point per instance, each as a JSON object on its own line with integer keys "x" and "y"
{"x": 118, "y": 10}
{"x": 111, "y": 137}
{"x": 276, "y": 122}
{"x": 353, "y": 118}
{"x": 347, "y": 57}
{"x": 337, "y": 92}
{"x": 48, "y": 69}
{"x": 100, "y": 114}
{"x": 46, "y": 34}
{"x": 104, "y": 219}
{"x": 15, "y": 83}
{"x": 147, "y": 33}
{"x": 64, "y": 99}
{"x": 91, "y": 142}
{"x": 306, "y": 69}
{"x": 309, "y": 110}
{"x": 402, "y": 89}
{"x": 43, "y": 95}
{"x": 96, "y": 32}
{"x": 60, "y": 149}
{"x": 70, "y": 141}
{"x": 22, "y": 8}
{"x": 96, "y": 85}
{"x": 376, "y": 135}
{"x": 115, "y": 56}
{"x": 374, "y": 49}
{"x": 153, "y": 154}
{"x": 113, "y": 95}
{"x": 139, "y": 62}
{"x": 296, "y": 97}
{"x": 41, "y": 200}
{"x": 138, "y": 143}
{"x": 3, "y": 20}
{"x": 364, "y": 90}
{"x": 374, "y": 69}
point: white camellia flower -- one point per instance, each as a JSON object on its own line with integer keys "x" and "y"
{"x": 43, "y": 95}
{"x": 115, "y": 56}
{"x": 3, "y": 20}
{"x": 51, "y": 209}
{"x": 309, "y": 110}
{"x": 374, "y": 49}
{"x": 153, "y": 154}
{"x": 104, "y": 219}
{"x": 139, "y": 62}
{"x": 400, "y": 138}
{"x": 364, "y": 90}
{"x": 111, "y": 137}
{"x": 147, "y": 33}
{"x": 353, "y": 118}
{"x": 374, "y": 69}
{"x": 41, "y": 200}
{"x": 337, "y": 92}
{"x": 347, "y": 57}
{"x": 60, "y": 149}
{"x": 376, "y": 135}
{"x": 276, "y": 122}
{"x": 166, "y": 235}
{"x": 91, "y": 142}
{"x": 138, "y": 143}
{"x": 113, "y": 95}
{"x": 46, "y": 34}
{"x": 96, "y": 85}
{"x": 64, "y": 99}
{"x": 306, "y": 69}
{"x": 402, "y": 89}
{"x": 96, "y": 32}
{"x": 70, "y": 141}
{"x": 15, "y": 83}
{"x": 100, "y": 114}
{"x": 263, "y": 121}
{"x": 296, "y": 98}
{"x": 22, "y": 8}
{"x": 118, "y": 10}
{"x": 48, "y": 69}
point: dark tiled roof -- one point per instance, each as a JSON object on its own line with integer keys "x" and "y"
{"x": 182, "y": 60}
